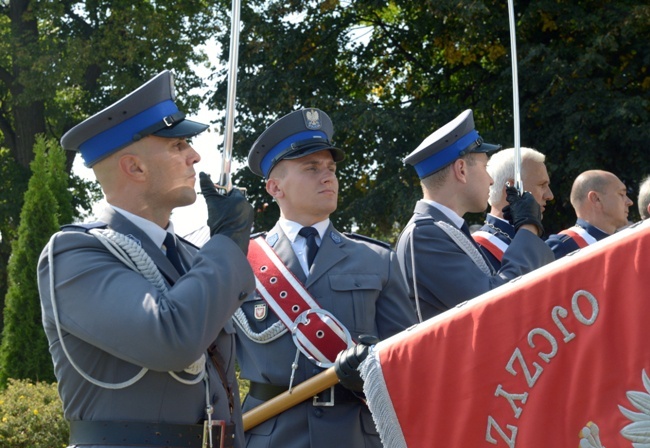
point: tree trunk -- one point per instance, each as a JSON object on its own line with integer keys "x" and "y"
{"x": 28, "y": 115}
{"x": 29, "y": 121}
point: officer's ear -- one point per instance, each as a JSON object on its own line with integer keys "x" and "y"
{"x": 274, "y": 187}
{"x": 132, "y": 166}
{"x": 593, "y": 197}
{"x": 459, "y": 168}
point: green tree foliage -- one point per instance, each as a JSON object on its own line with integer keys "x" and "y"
{"x": 12, "y": 178}
{"x": 63, "y": 61}
{"x": 24, "y": 350}
{"x": 391, "y": 72}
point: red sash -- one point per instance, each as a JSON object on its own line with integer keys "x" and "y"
{"x": 316, "y": 332}
{"x": 491, "y": 243}
{"x": 580, "y": 236}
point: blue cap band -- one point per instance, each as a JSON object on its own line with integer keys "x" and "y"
{"x": 267, "y": 162}
{"x": 112, "y": 139}
{"x": 445, "y": 156}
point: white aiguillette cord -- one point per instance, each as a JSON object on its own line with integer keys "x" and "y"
{"x": 134, "y": 257}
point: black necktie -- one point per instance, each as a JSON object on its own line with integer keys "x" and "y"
{"x": 172, "y": 253}
{"x": 309, "y": 233}
{"x": 465, "y": 230}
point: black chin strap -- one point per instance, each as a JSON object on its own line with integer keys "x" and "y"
{"x": 167, "y": 122}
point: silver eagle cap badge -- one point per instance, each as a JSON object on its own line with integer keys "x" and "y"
{"x": 312, "y": 119}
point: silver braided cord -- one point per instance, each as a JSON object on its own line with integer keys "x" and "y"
{"x": 133, "y": 256}
{"x": 415, "y": 280}
{"x": 270, "y": 334}
{"x": 461, "y": 240}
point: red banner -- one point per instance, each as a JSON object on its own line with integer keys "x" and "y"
{"x": 558, "y": 358}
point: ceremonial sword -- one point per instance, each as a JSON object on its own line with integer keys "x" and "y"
{"x": 515, "y": 98}
{"x": 225, "y": 182}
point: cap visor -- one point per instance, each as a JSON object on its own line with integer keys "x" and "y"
{"x": 487, "y": 147}
{"x": 337, "y": 154}
{"x": 184, "y": 129}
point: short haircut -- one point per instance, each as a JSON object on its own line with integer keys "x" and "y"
{"x": 437, "y": 179}
{"x": 501, "y": 168}
{"x": 592, "y": 180}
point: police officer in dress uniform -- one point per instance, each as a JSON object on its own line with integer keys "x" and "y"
{"x": 354, "y": 279}
{"x": 442, "y": 263}
{"x": 600, "y": 201}
{"x": 497, "y": 233}
{"x": 138, "y": 320}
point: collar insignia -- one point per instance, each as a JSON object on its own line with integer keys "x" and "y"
{"x": 260, "y": 311}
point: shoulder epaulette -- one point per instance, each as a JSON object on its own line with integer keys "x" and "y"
{"x": 255, "y": 235}
{"x": 424, "y": 220}
{"x": 84, "y": 226}
{"x": 189, "y": 243}
{"x": 356, "y": 236}
{"x": 560, "y": 237}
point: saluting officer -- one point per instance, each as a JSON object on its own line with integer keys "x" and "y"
{"x": 497, "y": 233}
{"x": 600, "y": 201}
{"x": 442, "y": 263}
{"x": 320, "y": 291}
{"x": 138, "y": 320}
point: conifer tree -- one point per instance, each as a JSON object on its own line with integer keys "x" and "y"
{"x": 24, "y": 350}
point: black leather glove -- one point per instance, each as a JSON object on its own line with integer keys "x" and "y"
{"x": 349, "y": 360}
{"x": 522, "y": 210}
{"x": 230, "y": 215}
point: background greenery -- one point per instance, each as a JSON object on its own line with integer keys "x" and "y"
{"x": 31, "y": 416}
{"x": 387, "y": 72}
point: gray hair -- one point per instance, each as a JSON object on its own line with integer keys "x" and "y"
{"x": 501, "y": 168}
{"x": 644, "y": 198}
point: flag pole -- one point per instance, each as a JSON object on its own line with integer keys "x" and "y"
{"x": 303, "y": 391}
{"x": 225, "y": 182}
{"x": 515, "y": 98}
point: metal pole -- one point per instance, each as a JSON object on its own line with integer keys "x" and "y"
{"x": 515, "y": 98}
{"x": 225, "y": 182}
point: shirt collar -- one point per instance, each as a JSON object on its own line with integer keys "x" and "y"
{"x": 449, "y": 213}
{"x": 291, "y": 228}
{"x": 156, "y": 233}
{"x": 590, "y": 227}
{"x": 496, "y": 218}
